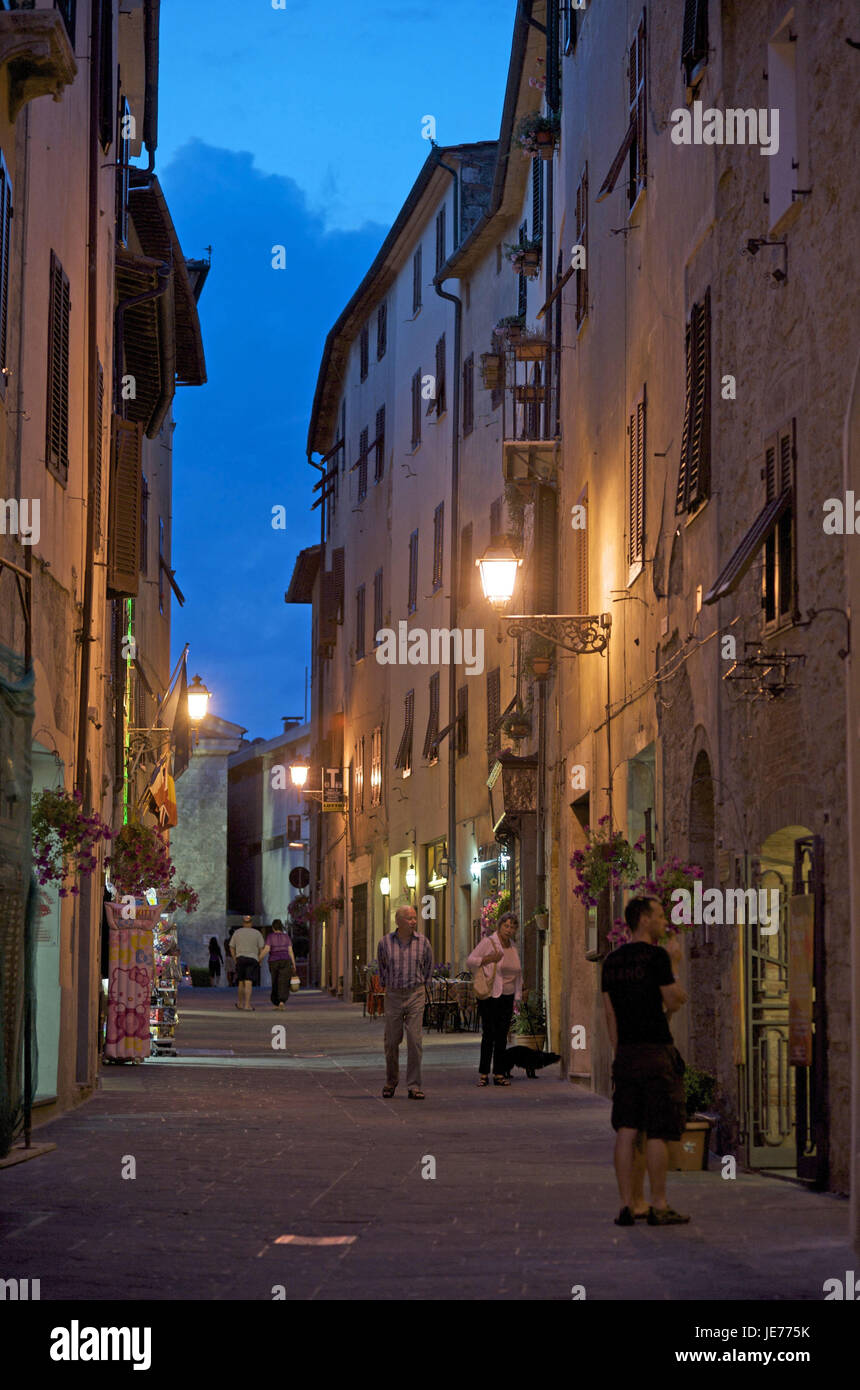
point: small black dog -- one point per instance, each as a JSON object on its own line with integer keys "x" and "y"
{"x": 527, "y": 1057}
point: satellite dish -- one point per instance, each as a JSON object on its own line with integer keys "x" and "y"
{"x": 300, "y": 877}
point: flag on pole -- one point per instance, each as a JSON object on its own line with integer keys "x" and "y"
{"x": 162, "y": 793}
{"x": 173, "y": 715}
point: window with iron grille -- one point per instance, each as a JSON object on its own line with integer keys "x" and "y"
{"x": 376, "y": 766}
{"x": 379, "y": 460}
{"x": 416, "y": 280}
{"x": 466, "y": 566}
{"x": 431, "y": 738}
{"x": 694, "y": 38}
{"x": 364, "y": 349}
{"x": 144, "y": 522}
{"x": 582, "y": 240}
{"x": 59, "y": 310}
{"x": 440, "y": 401}
{"x": 438, "y": 545}
{"x": 362, "y": 465}
{"x": 694, "y": 473}
{"x": 537, "y": 196}
{"x": 359, "y": 622}
{"x": 440, "y": 238}
{"x": 636, "y": 483}
{"x": 5, "y": 251}
{"x": 494, "y": 709}
{"x": 381, "y": 331}
{"x": 412, "y": 597}
{"x": 462, "y": 721}
{"x": 469, "y": 394}
{"x": 403, "y": 757}
{"x": 378, "y": 615}
{"x": 416, "y": 409}
{"x": 779, "y": 579}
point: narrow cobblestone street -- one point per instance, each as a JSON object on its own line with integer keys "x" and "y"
{"x": 236, "y": 1145}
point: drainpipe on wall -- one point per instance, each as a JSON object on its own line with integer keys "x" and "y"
{"x": 453, "y": 601}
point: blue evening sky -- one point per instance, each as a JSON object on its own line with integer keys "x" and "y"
{"x": 300, "y": 127}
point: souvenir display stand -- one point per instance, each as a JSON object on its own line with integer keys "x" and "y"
{"x": 130, "y": 975}
{"x": 163, "y": 1013}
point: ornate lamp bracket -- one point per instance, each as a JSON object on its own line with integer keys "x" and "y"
{"x": 580, "y": 634}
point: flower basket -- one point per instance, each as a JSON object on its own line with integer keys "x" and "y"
{"x": 608, "y": 861}
{"x": 491, "y": 370}
{"x": 65, "y": 841}
{"x": 534, "y": 393}
{"x": 496, "y": 904}
{"x": 510, "y": 329}
{"x": 139, "y": 860}
{"x": 538, "y": 134}
{"x": 525, "y": 257}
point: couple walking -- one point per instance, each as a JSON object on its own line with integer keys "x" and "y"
{"x": 405, "y": 960}
{"x": 249, "y": 949}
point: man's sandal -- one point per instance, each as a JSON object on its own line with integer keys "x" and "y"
{"x": 416, "y": 1095}
{"x": 388, "y": 1091}
{"x": 483, "y": 1080}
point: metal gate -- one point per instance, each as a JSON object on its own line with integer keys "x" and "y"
{"x": 811, "y": 1087}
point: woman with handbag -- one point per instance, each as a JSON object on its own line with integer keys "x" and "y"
{"x": 498, "y": 979}
{"x": 282, "y": 963}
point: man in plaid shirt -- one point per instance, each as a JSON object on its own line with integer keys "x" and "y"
{"x": 405, "y": 961}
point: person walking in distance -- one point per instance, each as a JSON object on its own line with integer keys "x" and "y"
{"x": 249, "y": 950}
{"x": 640, "y": 991}
{"x": 498, "y": 950}
{"x": 215, "y": 959}
{"x": 282, "y": 962}
{"x": 405, "y": 960}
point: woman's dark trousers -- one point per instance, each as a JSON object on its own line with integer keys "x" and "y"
{"x": 281, "y": 972}
{"x": 496, "y": 1017}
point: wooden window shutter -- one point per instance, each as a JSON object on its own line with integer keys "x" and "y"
{"x": 462, "y": 721}
{"x": 466, "y": 567}
{"x": 694, "y": 473}
{"x": 329, "y": 608}
{"x": 494, "y": 710}
{"x": 98, "y": 483}
{"x": 537, "y": 196}
{"x": 440, "y": 238}
{"x": 694, "y": 35}
{"x": 125, "y": 508}
{"x": 416, "y": 409}
{"x": 522, "y": 287}
{"x": 364, "y": 350}
{"x": 403, "y": 757}
{"x": 438, "y": 544}
{"x": 412, "y": 597}
{"x": 440, "y": 403}
{"x": 362, "y": 464}
{"x": 57, "y": 441}
{"x": 379, "y": 468}
{"x": 581, "y": 561}
{"x": 378, "y": 613}
{"x": 5, "y": 248}
{"x": 582, "y": 240}
{"x": 641, "y": 104}
{"x": 381, "y": 330}
{"x": 416, "y": 281}
{"x": 469, "y": 394}
{"x": 359, "y": 622}
{"x": 431, "y": 738}
{"x": 636, "y": 476}
{"x": 770, "y": 468}
{"x": 544, "y": 552}
{"x": 786, "y": 458}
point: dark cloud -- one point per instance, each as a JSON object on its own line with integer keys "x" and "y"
{"x": 240, "y": 440}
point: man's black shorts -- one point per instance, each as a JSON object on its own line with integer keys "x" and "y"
{"x": 648, "y": 1090}
{"x": 248, "y": 969}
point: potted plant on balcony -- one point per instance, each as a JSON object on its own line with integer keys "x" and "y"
{"x": 525, "y": 256}
{"x": 491, "y": 370}
{"x": 528, "y": 1028}
{"x": 510, "y": 329}
{"x": 517, "y": 725}
{"x": 538, "y": 656}
{"x": 64, "y": 839}
{"x": 539, "y": 918}
{"x": 690, "y": 1153}
{"x": 538, "y": 134}
{"x": 608, "y": 861}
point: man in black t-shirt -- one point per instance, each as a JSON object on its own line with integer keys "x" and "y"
{"x": 639, "y": 993}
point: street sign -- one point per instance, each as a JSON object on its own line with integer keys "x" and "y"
{"x": 332, "y": 790}
{"x": 299, "y": 877}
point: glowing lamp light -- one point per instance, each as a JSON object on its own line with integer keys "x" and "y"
{"x": 498, "y": 569}
{"x": 298, "y": 774}
{"x": 198, "y": 700}
{"x": 385, "y": 885}
{"x": 411, "y": 876}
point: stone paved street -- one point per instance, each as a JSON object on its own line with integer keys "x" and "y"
{"x": 237, "y": 1145}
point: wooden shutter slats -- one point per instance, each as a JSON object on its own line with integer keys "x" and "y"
{"x": 57, "y": 442}
{"x": 636, "y": 498}
{"x": 694, "y": 473}
{"x": 125, "y": 508}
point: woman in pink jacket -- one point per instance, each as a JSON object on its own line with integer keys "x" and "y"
{"x": 499, "y": 960}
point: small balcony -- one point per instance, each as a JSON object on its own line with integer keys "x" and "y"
{"x": 531, "y": 417}
{"x": 36, "y": 49}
